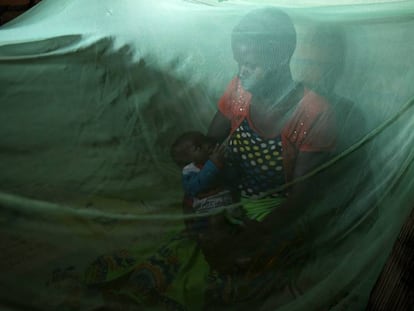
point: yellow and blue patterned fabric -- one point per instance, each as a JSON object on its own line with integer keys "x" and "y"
{"x": 259, "y": 158}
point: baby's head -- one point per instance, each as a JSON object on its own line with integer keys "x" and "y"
{"x": 191, "y": 147}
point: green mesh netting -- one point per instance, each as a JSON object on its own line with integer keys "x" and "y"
{"x": 92, "y": 95}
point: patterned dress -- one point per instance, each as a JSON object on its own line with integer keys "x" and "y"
{"x": 261, "y": 161}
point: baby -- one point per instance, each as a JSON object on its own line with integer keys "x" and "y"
{"x": 203, "y": 177}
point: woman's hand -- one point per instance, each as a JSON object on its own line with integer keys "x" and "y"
{"x": 217, "y": 155}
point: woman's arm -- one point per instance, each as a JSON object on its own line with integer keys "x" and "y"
{"x": 301, "y": 194}
{"x": 258, "y": 236}
{"x": 219, "y": 128}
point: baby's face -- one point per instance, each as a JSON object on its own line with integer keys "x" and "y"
{"x": 199, "y": 152}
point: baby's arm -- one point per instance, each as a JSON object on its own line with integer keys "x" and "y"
{"x": 197, "y": 180}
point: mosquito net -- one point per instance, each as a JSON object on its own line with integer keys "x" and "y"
{"x": 93, "y": 94}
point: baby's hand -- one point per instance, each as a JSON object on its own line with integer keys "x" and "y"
{"x": 217, "y": 155}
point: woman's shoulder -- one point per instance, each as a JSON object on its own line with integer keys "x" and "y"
{"x": 313, "y": 103}
{"x": 313, "y": 108}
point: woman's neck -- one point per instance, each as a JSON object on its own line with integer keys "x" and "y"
{"x": 277, "y": 98}
{"x": 270, "y": 114}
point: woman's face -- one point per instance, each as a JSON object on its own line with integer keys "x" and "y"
{"x": 261, "y": 72}
{"x": 251, "y": 73}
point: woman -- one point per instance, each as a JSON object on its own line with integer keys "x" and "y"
{"x": 276, "y": 131}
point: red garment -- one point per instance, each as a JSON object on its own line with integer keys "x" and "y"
{"x": 311, "y": 127}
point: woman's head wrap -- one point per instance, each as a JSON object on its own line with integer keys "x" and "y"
{"x": 268, "y": 33}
